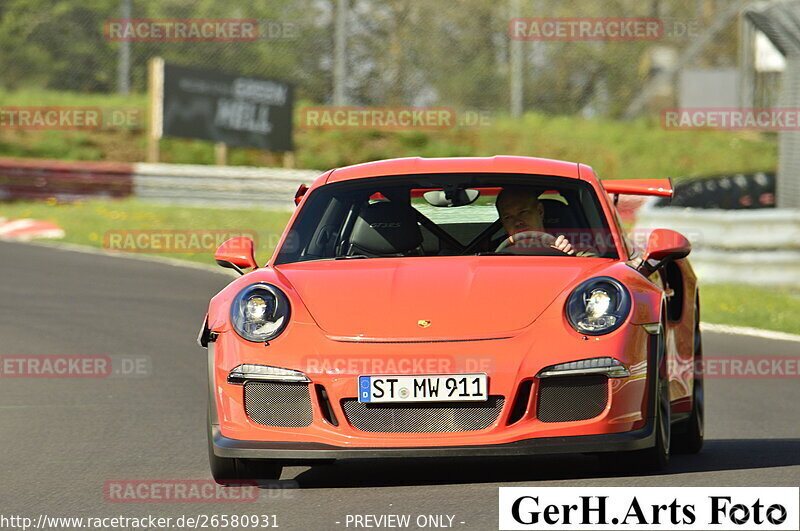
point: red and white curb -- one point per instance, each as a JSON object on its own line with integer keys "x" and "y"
{"x": 28, "y": 229}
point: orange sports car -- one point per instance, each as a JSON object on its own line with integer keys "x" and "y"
{"x": 455, "y": 307}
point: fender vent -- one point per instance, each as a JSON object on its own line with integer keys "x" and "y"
{"x": 521, "y": 402}
{"x": 325, "y": 405}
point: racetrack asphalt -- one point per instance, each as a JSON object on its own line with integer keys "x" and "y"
{"x": 62, "y": 439}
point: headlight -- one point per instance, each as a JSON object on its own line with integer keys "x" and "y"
{"x": 260, "y": 312}
{"x": 598, "y": 306}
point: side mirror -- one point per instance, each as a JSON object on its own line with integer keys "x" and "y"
{"x": 664, "y": 245}
{"x": 236, "y": 253}
{"x": 298, "y": 195}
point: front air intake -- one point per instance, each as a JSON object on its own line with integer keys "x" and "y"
{"x": 423, "y": 417}
{"x": 280, "y": 404}
{"x": 570, "y": 398}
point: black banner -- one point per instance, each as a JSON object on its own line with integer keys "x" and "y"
{"x": 238, "y": 111}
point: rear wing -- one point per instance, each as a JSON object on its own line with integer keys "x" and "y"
{"x": 660, "y": 187}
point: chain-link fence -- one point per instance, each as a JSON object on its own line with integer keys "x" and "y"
{"x": 470, "y": 54}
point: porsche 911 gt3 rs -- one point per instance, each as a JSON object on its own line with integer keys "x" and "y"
{"x": 455, "y": 307}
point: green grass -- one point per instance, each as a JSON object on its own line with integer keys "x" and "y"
{"x": 768, "y": 308}
{"x": 638, "y": 149}
{"x": 86, "y": 223}
{"x": 94, "y": 222}
{"x": 615, "y": 149}
{"x": 33, "y": 97}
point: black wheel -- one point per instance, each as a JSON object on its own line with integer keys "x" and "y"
{"x": 656, "y": 457}
{"x": 232, "y": 471}
{"x": 688, "y": 438}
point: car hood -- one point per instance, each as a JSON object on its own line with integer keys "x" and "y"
{"x": 432, "y": 298}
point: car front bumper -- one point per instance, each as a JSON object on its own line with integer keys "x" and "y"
{"x": 301, "y": 451}
{"x": 511, "y": 362}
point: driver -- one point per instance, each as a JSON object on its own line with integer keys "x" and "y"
{"x": 520, "y": 211}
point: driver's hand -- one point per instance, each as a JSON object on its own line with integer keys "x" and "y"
{"x": 563, "y": 245}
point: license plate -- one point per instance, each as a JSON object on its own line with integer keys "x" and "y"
{"x": 423, "y": 388}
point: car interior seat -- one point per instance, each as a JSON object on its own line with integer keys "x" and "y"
{"x": 385, "y": 228}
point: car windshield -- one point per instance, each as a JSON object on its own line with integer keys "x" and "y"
{"x": 448, "y": 215}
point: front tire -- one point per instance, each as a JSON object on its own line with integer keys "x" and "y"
{"x": 232, "y": 470}
{"x": 690, "y": 439}
{"x": 656, "y": 458}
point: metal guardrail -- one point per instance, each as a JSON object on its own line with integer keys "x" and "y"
{"x": 735, "y": 246}
{"x": 224, "y": 186}
{"x": 270, "y": 188}
{"x": 64, "y": 181}
{"x": 731, "y": 230}
{"x": 737, "y": 235}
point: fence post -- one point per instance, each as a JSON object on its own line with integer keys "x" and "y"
{"x": 155, "y": 90}
{"x": 340, "y": 52}
{"x": 515, "y": 69}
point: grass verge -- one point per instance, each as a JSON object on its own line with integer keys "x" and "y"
{"x": 757, "y": 307}
{"x": 98, "y": 222}
{"x": 616, "y": 149}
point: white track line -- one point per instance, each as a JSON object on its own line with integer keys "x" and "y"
{"x": 747, "y": 331}
{"x": 706, "y": 327}
{"x": 74, "y": 247}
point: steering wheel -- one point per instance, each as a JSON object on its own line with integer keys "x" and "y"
{"x": 540, "y": 241}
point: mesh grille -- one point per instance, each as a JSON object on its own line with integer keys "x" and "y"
{"x": 278, "y": 404}
{"x": 566, "y": 398}
{"x": 423, "y": 418}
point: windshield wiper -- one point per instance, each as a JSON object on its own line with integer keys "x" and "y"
{"x": 350, "y": 256}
